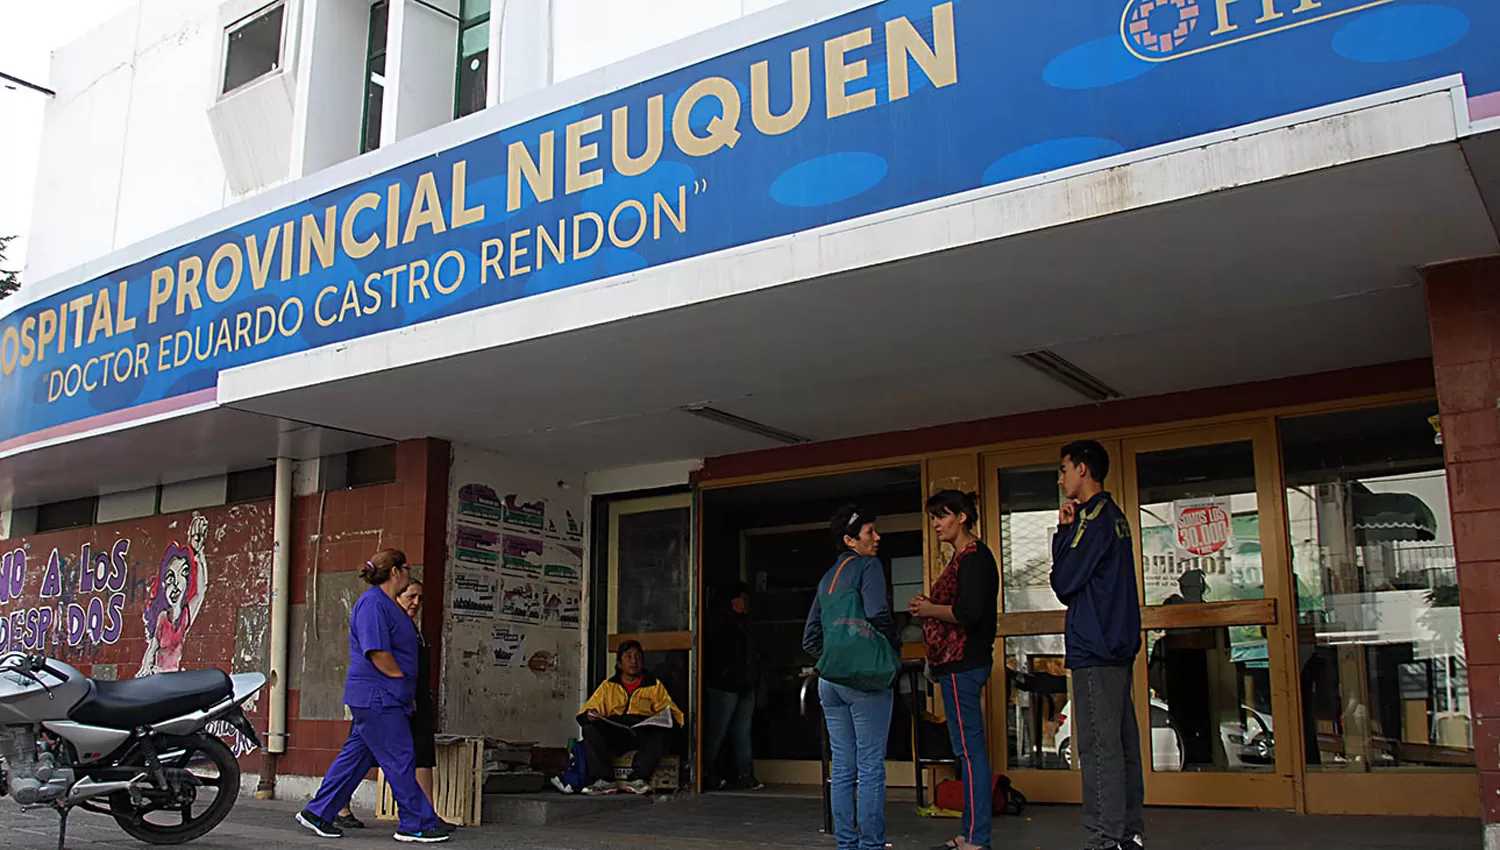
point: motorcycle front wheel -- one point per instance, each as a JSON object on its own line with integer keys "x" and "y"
{"x": 196, "y": 766}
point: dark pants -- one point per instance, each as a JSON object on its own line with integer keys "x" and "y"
{"x": 379, "y": 736}
{"x": 963, "y": 700}
{"x": 1109, "y": 751}
{"x": 605, "y": 743}
{"x": 730, "y": 716}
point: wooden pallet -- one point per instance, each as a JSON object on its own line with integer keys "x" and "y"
{"x": 457, "y": 784}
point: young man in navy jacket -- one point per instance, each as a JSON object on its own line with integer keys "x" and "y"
{"x": 1093, "y": 573}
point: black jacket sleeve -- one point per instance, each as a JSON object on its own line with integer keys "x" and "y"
{"x": 978, "y": 588}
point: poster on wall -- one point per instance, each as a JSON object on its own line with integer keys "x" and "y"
{"x": 521, "y": 602}
{"x": 572, "y": 605}
{"x": 563, "y": 562}
{"x": 551, "y": 604}
{"x": 1202, "y": 526}
{"x": 522, "y": 555}
{"x": 524, "y": 514}
{"x": 508, "y": 645}
{"x": 562, "y": 524}
{"x": 474, "y": 594}
{"x": 479, "y": 506}
{"x": 477, "y": 546}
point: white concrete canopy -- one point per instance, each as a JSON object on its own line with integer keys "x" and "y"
{"x": 1286, "y": 248}
{"x": 1198, "y": 265}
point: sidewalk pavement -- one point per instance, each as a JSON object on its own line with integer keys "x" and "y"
{"x": 777, "y": 820}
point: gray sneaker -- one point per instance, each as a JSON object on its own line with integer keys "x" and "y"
{"x": 599, "y": 788}
{"x": 638, "y": 786}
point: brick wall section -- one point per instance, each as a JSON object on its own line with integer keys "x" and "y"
{"x": 225, "y": 629}
{"x": 1463, "y": 306}
{"x": 409, "y": 514}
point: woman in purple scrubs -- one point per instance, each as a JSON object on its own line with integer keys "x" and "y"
{"x": 381, "y": 694}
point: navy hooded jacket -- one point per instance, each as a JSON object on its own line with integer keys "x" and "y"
{"x": 1093, "y": 573}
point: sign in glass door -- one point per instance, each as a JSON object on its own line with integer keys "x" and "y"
{"x": 1214, "y": 655}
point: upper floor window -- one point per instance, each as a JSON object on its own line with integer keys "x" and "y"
{"x": 380, "y": 14}
{"x": 253, "y": 46}
{"x": 473, "y": 57}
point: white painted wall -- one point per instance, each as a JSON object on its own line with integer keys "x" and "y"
{"x": 480, "y": 696}
{"x": 590, "y": 34}
{"x": 421, "y": 69}
{"x": 128, "y": 149}
{"x": 523, "y": 43}
{"x": 331, "y": 85}
{"x": 130, "y": 504}
{"x": 655, "y": 476}
{"x": 197, "y": 493}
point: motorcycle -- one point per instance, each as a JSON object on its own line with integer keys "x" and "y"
{"x": 138, "y": 751}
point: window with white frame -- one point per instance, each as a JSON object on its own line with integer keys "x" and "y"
{"x": 473, "y": 57}
{"x": 252, "y": 46}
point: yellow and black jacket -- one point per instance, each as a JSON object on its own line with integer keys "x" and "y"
{"x": 611, "y": 700}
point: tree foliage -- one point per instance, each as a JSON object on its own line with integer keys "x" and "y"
{"x": 10, "y": 281}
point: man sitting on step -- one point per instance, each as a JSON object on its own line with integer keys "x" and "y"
{"x": 631, "y": 710}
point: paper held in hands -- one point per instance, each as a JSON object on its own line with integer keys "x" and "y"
{"x": 662, "y": 718}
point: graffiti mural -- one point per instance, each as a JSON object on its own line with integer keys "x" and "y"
{"x": 132, "y": 598}
{"x": 175, "y": 598}
{"x": 79, "y": 605}
{"x": 172, "y": 605}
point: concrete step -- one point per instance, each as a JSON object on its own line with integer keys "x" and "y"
{"x": 549, "y": 808}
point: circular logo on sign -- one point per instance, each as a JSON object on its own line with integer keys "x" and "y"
{"x": 1203, "y": 530}
{"x": 1161, "y": 26}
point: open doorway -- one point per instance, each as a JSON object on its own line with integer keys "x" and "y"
{"x": 773, "y": 541}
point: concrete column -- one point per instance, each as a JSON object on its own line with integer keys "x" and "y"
{"x": 1463, "y": 307}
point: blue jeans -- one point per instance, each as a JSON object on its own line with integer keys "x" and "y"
{"x": 378, "y": 736}
{"x": 729, "y": 716}
{"x": 961, "y": 698}
{"x": 859, "y": 724}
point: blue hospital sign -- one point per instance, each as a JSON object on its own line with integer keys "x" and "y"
{"x": 900, "y": 102}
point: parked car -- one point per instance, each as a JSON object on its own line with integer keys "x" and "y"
{"x": 1166, "y": 744}
{"x": 1252, "y": 742}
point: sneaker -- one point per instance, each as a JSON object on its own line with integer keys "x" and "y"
{"x": 638, "y": 786}
{"x": 600, "y": 788}
{"x": 348, "y": 821}
{"x": 563, "y": 786}
{"x": 324, "y": 829}
{"x": 434, "y": 835}
{"x": 1134, "y": 842}
{"x": 749, "y": 783}
{"x": 444, "y": 826}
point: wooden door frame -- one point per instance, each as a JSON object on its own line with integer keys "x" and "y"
{"x": 1394, "y": 791}
{"x": 1281, "y": 788}
{"x": 663, "y": 641}
{"x": 1061, "y": 786}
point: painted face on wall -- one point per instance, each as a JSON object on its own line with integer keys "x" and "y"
{"x": 174, "y": 585}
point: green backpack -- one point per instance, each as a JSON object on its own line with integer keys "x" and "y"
{"x": 855, "y": 654}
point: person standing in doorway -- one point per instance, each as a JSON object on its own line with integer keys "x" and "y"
{"x": 859, "y": 721}
{"x": 380, "y": 691}
{"x": 1093, "y": 574}
{"x": 958, "y": 628}
{"x": 733, "y": 686}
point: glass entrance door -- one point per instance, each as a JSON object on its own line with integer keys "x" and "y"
{"x": 1214, "y": 666}
{"x": 650, "y": 594}
{"x": 1211, "y": 686}
{"x": 1030, "y": 734}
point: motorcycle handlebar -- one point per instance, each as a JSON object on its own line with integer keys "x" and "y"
{"x": 32, "y": 664}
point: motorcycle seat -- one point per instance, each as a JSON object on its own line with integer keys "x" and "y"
{"x": 152, "y": 699}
